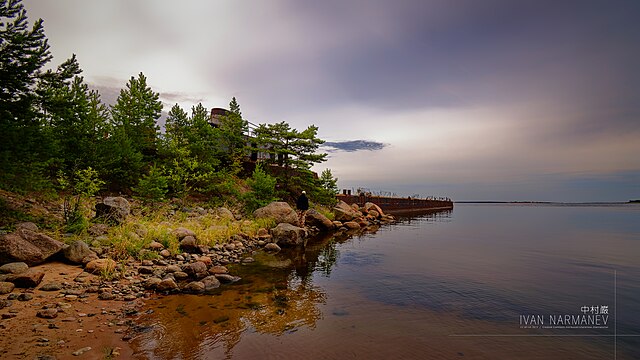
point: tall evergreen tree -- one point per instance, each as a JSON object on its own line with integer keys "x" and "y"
{"x": 74, "y": 116}
{"x": 232, "y": 134}
{"x": 23, "y": 53}
{"x": 136, "y": 113}
{"x": 177, "y": 124}
{"x": 134, "y": 133}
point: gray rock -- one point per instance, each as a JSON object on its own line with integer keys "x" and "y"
{"x": 145, "y": 270}
{"x": 314, "y": 218}
{"x": 227, "y": 279}
{"x": 6, "y": 287}
{"x": 167, "y": 285}
{"x": 188, "y": 243}
{"x": 196, "y": 269}
{"x": 181, "y": 233}
{"x": 147, "y": 263}
{"x": 98, "y": 229}
{"x": 210, "y": 283}
{"x": 217, "y": 269}
{"x": 113, "y": 209}
{"x": 27, "y": 226}
{"x": 351, "y": 225}
{"x": 368, "y": 207}
{"x": 100, "y": 266}
{"x": 172, "y": 268}
{"x": 107, "y": 295}
{"x": 78, "y": 252}
{"x": 25, "y": 297}
{"x": 152, "y": 283}
{"x": 281, "y": 212}
{"x": 344, "y": 212}
{"x": 52, "y": 286}
{"x": 27, "y": 246}
{"x": 81, "y": 351}
{"x": 47, "y": 314}
{"x": 194, "y": 287}
{"x": 272, "y": 247}
{"x": 154, "y": 245}
{"x": 14, "y": 268}
{"x": 28, "y": 279}
{"x": 288, "y": 235}
{"x": 180, "y": 275}
{"x": 225, "y": 213}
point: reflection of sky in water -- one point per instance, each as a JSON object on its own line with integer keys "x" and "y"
{"x": 403, "y": 291}
{"x": 352, "y": 258}
{"x": 494, "y": 262}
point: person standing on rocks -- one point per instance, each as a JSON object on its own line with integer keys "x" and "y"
{"x": 303, "y": 205}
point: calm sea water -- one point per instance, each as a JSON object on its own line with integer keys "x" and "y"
{"x": 446, "y": 285}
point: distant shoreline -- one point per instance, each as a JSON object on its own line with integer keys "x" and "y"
{"x": 550, "y": 202}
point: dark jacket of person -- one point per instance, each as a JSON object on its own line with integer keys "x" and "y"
{"x": 302, "y": 203}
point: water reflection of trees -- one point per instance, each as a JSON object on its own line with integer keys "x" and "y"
{"x": 276, "y": 296}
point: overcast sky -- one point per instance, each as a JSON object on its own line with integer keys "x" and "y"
{"x": 475, "y": 100}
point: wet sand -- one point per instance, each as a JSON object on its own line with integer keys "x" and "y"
{"x": 82, "y": 322}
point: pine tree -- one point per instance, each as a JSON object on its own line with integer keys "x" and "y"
{"x": 23, "y": 53}
{"x": 177, "y": 124}
{"x": 288, "y": 147}
{"x": 74, "y": 115}
{"x": 136, "y": 113}
{"x": 232, "y": 136}
{"x": 328, "y": 182}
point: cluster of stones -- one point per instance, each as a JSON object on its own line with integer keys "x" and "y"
{"x": 355, "y": 217}
{"x": 197, "y": 269}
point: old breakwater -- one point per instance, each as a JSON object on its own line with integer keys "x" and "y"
{"x": 397, "y": 204}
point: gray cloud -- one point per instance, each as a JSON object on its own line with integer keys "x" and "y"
{"x": 354, "y": 145}
{"x": 437, "y": 54}
{"x": 489, "y": 90}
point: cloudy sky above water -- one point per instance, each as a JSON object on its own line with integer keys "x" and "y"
{"x": 475, "y": 100}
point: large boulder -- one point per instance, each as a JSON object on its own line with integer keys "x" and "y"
{"x": 79, "y": 253}
{"x": 280, "y": 211}
{"x": 344, "y": 212}
{"x": 315, "y": 218}
{"x": 114, "y": 209}
{"x": 28, "y": 279}
{"x": 288, "y": 235}
{"x": 27, "y": 246}
{"x": 369, "y": 207}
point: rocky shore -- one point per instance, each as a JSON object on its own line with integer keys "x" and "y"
{"x": 59, "y": 297}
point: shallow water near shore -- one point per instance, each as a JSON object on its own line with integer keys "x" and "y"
{"x": 443, "y": 285}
